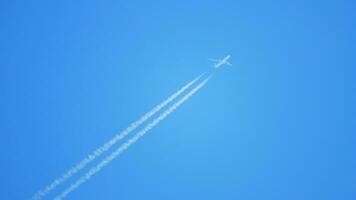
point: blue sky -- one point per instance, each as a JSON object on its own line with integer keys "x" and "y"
{"x": 278, "y": 124}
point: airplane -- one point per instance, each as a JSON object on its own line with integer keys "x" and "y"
{"x": 221, "y": 62}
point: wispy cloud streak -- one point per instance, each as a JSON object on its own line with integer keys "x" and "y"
{"x": 99, "y": 151}
{"x": 127, "y": 144}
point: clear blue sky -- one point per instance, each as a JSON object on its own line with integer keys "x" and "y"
{"x": 279, "y": 124}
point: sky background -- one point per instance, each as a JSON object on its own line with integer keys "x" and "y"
{"x": 278, "y": 124}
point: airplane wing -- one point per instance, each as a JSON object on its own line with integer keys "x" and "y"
{"x": 229, "y": 64}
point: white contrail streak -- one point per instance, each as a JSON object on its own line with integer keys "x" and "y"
{"x": 40, "y": 194}
{"x": 127, "y": 144}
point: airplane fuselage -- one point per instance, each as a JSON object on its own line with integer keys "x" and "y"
{"x": 223, "y": 61}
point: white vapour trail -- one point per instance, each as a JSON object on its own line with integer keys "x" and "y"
{"x": 131, "y": 141}
{"x": 40, "y": 194}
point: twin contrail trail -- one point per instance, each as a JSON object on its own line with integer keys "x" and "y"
{"x": 131, "y": 141}
{"x": 99, "y": 151}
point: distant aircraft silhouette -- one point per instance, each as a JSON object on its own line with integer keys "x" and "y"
{"x": 220, "y": 62}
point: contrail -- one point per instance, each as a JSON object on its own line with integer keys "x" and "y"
{"x": 127, "y": 144}
{"x": 40, "y": 194}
